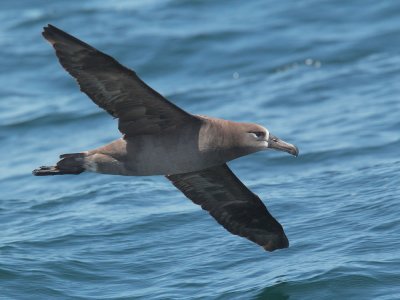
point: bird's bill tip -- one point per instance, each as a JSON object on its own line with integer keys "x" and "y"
{"x": 277, "y": 144}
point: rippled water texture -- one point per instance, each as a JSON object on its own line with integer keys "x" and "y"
{"x": 321, "y": 74}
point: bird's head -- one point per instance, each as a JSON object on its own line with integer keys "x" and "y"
{"x": 259, "y": 138}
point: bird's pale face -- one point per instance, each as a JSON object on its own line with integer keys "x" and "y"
{"x": 259, "y": 138}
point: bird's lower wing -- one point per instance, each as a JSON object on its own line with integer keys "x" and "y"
{"x": 115, "y": 88}
{"x": 232, "y": 204}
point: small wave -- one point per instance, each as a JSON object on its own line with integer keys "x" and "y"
{"x": 54, "y": 118}
{"x": 331, "y": 285}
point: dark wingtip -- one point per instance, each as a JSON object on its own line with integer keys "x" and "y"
{"x": 280, "y": 243}
{"x": 55, "y": 35}
{"x": 50, "y": 29}
{"x": 46, "y": 31}
{"x": 49, "y": 26}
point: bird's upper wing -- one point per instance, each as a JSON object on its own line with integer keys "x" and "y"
{"x": 115, "y": 88}
{"x": 232, "y": 204}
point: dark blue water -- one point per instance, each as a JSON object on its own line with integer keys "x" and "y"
{"x": 321, "y": 74}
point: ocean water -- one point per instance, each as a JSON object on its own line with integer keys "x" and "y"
{"x": 323, "y": 75}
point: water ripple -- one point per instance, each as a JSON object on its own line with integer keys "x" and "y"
{"x": 308, "y": 72}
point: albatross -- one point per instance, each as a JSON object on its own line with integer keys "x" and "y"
{"x": 160, "y": 138}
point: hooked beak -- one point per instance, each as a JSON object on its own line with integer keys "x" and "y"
{"x": 277, "y": 144}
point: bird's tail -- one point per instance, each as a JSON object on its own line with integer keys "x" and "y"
{"x": 72, "y": 163}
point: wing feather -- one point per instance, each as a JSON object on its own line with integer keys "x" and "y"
{"x": 232, "y": 204}
{"x": 115, "y": 88}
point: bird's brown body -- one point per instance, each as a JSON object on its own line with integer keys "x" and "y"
{"x": 199, "y": 146}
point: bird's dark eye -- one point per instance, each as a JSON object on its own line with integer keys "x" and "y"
{"x": 259, "y": 134}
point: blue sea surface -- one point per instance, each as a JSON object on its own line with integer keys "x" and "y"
{"x": 324, "y": 75}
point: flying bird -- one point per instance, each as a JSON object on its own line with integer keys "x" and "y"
{"x": 159, "y": 138}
